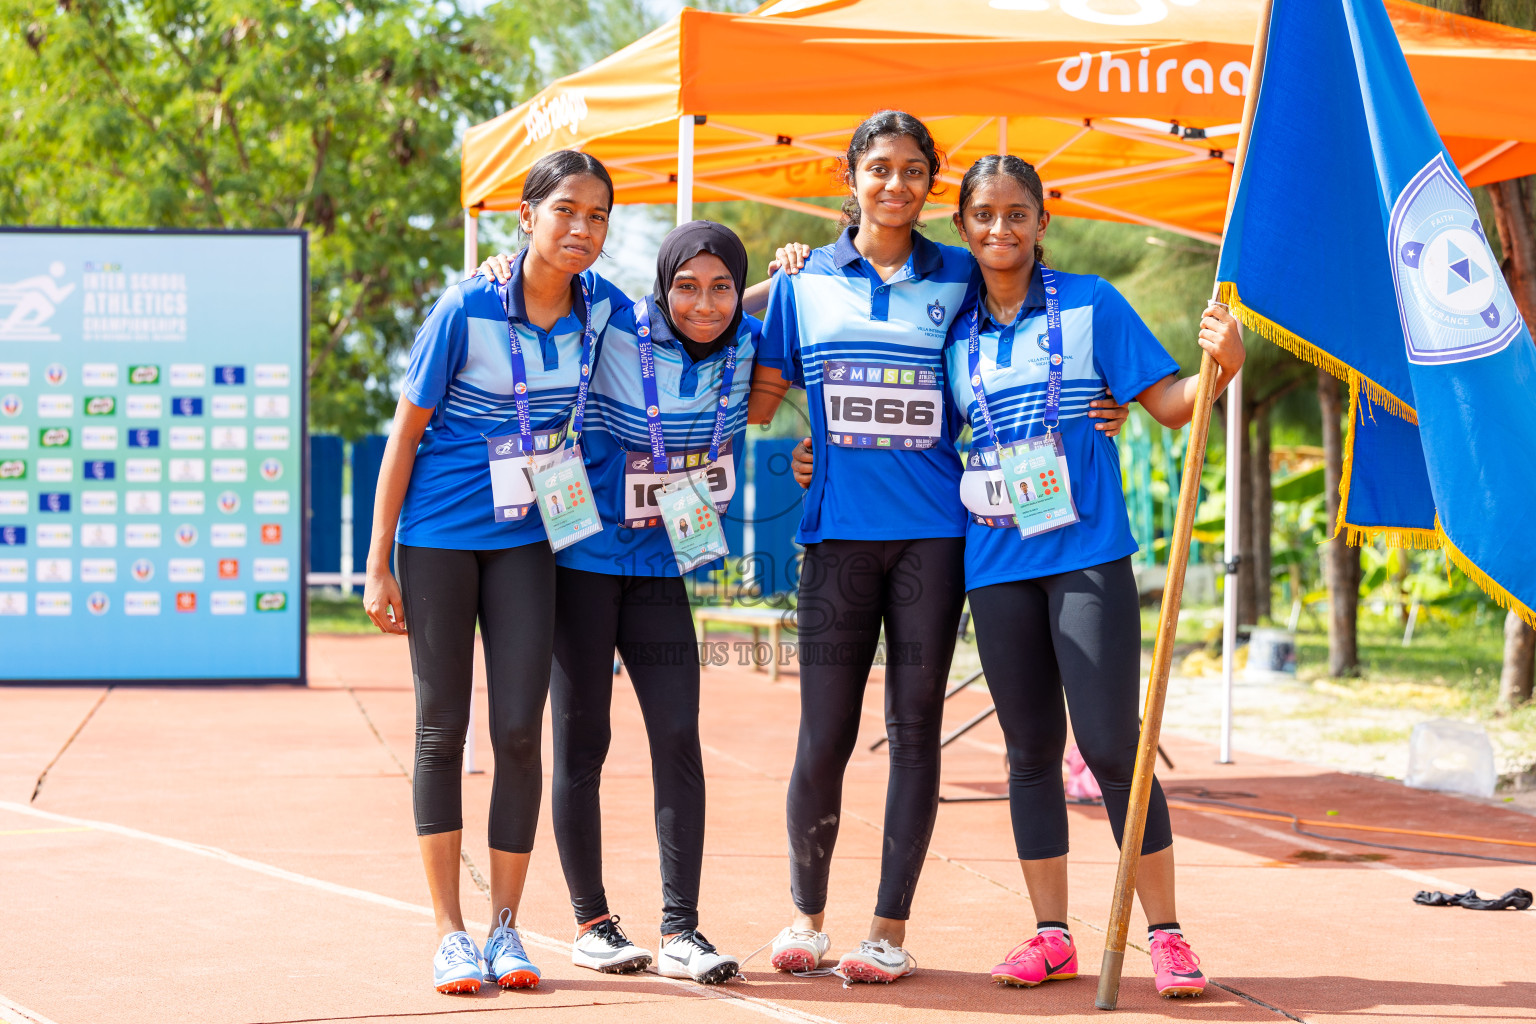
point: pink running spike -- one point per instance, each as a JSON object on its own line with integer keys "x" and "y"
{"x": 1050, "y": 956}
{"x": 1176, "y": 966}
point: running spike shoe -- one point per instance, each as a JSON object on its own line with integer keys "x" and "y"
{"x": 1176, "y": 966}
{"x": 799, "y": 949}
{"x": 456, "y": 967}
{"x": 506, "y": 962}
{"x": 604, "y": 947}
{"x": 1049, "y": 956}
{"x": 876, "y": 962}
{"x": 690, "y": 955}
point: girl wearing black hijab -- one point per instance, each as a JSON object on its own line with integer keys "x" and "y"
{"x": 670, "y": 384}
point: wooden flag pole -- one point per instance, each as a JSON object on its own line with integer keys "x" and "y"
{"x": 1173, "y": 592}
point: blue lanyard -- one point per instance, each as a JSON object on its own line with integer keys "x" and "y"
{"x": 520, "y": 370}
{"x": 652, "y": 401}
{"x": 1053, "y": 371}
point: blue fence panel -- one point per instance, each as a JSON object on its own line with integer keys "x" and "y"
{"x": 367, "y": 454}
{"x": 773, "y": 563}
{"x": 325, "y": 471}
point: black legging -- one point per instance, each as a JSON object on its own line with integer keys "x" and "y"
{"x": 511, "y": 593}
{"x": 1078, "y": 632}
{"x": 649, "y": 620}
{"x": 847, "y": 588}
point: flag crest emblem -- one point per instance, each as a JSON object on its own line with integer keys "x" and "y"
{"x": 1451, "y": 294}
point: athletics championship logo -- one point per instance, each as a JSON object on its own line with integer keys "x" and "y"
{"x": 32, "y": 301}
{"x": 1451, "y": 295}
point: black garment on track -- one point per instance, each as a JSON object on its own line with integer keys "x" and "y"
{"x": 847, "y": 589}
{"x": 650, "y": 622}
{"x": 1068, "y": 641}
{"x": 510, "y": 593}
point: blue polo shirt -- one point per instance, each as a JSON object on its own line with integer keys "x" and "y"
{"x": 838, "y": 308}
{"x": 461, "y": 369}
{"x": 1105, "y": 347}
{"x": 616, "y": 432}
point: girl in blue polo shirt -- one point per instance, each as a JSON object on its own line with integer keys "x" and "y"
{"x": 460, "y": 562}
{"x": 678, "y": 361}
{"x": 861, "y": 328}
{"x": 1056, "y": 610}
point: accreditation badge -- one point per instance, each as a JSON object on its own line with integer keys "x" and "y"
{"x": 512, "y": 494}
{"x": 1036, "y": 481}
{"x": 564, "y": 497}
{"x": 692, "y": 522}
{"x": 882, "y": 406}
{"x": 643, "y": 482}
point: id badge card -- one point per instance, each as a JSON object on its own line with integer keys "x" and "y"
{"x": 565, "y": 498}
{"x": 643, "y": 483}
{"x": 511, "y": 474}
{"x": 1036, "y": 481}
{"x": 693, "y": 525}
{"x": 878, "y": 405}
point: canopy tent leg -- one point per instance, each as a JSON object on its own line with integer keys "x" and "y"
{"x": 1002, "y": 135}
{"x": 471, "y": 242}
{"x": 471, "y": 264}
{"x": 685, "y": 169}
{"x": 1230, "y": 555}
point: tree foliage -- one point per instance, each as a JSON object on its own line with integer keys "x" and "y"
{"x": 338, "y": 118}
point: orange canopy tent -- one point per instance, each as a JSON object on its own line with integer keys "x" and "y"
{"x": 1129, "y": 108}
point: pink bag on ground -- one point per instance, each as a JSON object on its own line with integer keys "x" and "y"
{"x": 1081, "y": 785}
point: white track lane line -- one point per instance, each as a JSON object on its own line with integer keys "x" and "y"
{"x": 15, "y": 1013}
{"x": 754, "y": 1004}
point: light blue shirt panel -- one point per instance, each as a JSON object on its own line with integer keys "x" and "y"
{"x": 616, "y": 425}
{"x": 1103, "y": 342}
{"x": 461, "y": 368}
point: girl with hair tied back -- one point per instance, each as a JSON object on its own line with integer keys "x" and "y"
{"x": 1051, "y": 589}
{"x": 860, "y": 325}
{"x": 462, "y": 562}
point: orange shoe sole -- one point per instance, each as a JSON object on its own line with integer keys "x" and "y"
{"x": 1181, "y": 991}
{"x": 1008, "y": 979}
{"x": 518, "y": 979}
{"x": 464, "y": 986}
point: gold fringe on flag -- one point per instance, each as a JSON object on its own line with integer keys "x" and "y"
{"x": 1391, "y": 536}
{"x": 1501, "y": 597}
{"x": 1310, "y": 353}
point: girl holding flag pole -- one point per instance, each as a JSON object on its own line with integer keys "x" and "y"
{"x": 1050, "y": 584}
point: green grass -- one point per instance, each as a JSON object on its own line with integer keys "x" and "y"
{"x": 339, "y": 615}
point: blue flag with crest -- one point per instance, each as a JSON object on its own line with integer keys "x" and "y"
{"x": 1354, "y": 243}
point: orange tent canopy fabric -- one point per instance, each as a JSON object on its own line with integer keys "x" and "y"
{"x": 1129, "y": 114}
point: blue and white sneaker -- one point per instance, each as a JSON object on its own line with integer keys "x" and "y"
{"x": 506, "y": 963}
{"x": 456, "y": 967}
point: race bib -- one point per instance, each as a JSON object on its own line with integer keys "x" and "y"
{"x": 1025, "y": 485}
{"x": 693, "y": 525}
{"x": 564, "y": 498}
{"x": 643, "y": 485}
{"x": 512, "y": 494}
{"x": 874, "y": 405}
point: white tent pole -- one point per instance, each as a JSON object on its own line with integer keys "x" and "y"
{"x": 685, "y": 169}
{"x": 1002, "y": 135}
{"x": 471, "y": 242}
{"x": 471, "y": 264}
{"x": 1230, "y": 554}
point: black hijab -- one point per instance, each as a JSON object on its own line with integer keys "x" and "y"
{"x": 682, "y": 244}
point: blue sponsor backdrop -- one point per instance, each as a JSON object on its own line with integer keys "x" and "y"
{"x": 153, "y": 455}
